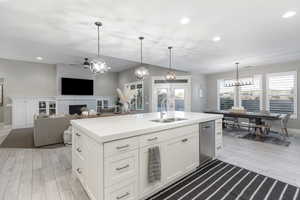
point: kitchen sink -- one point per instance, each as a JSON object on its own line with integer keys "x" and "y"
{"x": 168, "y": 120}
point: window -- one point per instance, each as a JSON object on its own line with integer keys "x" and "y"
{"x": 251, "y": 95}
{"x": 226, "y": 95}
{"x": 282, "y": 93}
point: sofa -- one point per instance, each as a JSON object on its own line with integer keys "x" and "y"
{"x": 49, "y": 130}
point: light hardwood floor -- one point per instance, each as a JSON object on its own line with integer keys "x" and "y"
{"x": 271, "y": 160}
{"x": 40, "y": 174}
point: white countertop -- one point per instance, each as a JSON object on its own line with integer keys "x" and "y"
{"x": 105, "y": 129}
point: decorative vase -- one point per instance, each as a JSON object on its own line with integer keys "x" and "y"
{"x": 126, "y": 107}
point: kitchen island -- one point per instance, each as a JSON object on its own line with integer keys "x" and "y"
{"x": 110, "y": 155}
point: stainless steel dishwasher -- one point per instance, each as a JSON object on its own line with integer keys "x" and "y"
{"x": 206, "y": 137}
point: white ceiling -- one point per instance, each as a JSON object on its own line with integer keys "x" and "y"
{"x": 63, "y": 31}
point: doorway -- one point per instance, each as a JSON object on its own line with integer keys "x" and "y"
{"x": 171, "y": 95}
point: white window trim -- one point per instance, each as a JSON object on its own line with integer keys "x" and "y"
{"x": 218, "y": 94}
{"x": 261, "y": 88}
{"x": 295, "y": 114}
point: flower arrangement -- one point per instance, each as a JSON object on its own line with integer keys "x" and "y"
{"x": 125, "y": 98}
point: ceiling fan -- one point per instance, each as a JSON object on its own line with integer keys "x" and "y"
{"x": 85, "y": 64}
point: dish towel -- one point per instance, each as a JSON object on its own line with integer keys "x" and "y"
{"x": 154, "y": 165}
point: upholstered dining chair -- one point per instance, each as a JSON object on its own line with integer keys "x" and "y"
{"x": 284, "y": 118}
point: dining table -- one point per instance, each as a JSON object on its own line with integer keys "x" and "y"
{"x": 258, "y": 118}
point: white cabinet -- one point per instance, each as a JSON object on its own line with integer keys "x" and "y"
{"x": 127, "y": 190}
{"x": 181, "y": 156}
{"x": 147, "y": 188}
{"x": 118, "y": 169}
{"x": 85, "y": 163}
{"x": 121, "y": 167}
{"x": 23, "y": 111}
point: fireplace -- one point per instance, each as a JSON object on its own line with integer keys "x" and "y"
{"x": 76, "y": 109}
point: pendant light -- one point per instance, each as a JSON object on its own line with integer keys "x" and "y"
{"x": 142, "y": 71}
{"x": 98, "y": 65}
{"x": 237, "y": 82}
{"x": 171, "y": 74}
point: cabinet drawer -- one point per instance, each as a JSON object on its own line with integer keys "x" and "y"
{"x": 120, "y": 146}
{"x": 78, "y": 143}
{"x": 123, "y": 191}
{"x": 78, "y": 168}
{"x": 120, "y": 168}
{"x": 151, "y": 139}
{"x": 166, "y": 135}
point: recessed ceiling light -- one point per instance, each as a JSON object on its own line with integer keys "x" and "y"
{"x": 185, "y": 20}
{"x": 39, "y": 58}
{"x": 289, "y": 14}
{"x": 216, "y": 38}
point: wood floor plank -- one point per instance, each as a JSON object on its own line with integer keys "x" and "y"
{"x": 6, "y": 172}
{"x": 12, "y": 189}
{"x": 25, "y": 189}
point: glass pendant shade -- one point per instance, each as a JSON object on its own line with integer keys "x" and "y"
{"x": 171, "y": 75}
{"x": 141, "y": 72}
{"x": 98, "y": 65}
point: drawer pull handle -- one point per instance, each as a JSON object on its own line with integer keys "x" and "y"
{"x": 120, "y": 168}
{"x": 79, "y": 170}
{"x": 206, "y": 126}
{"x": 123, "y": 147}
{"x": 184, "y": 140}
{"x": 77, "y": 134}
{"x": 152, "y": 139}
{"x": 79, "y": 150}
{"x": 124, "y": 195}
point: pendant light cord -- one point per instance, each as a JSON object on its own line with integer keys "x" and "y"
{"x": 237, "y": 72}
{"x": 98, "y": 41}
{"x": 170, "y": 57}
{"x": 141, "y": 51}
{"x": 98, "y": 24}
{"x": 141, "y": 39}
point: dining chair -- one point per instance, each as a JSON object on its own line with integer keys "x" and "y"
{"x": 284, "y": 118}
{"x": 231, "y": 121}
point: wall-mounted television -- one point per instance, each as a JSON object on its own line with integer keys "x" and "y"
{"x": 73, "y": 86}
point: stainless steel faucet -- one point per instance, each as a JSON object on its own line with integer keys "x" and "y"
{"x": 163, "y": 113}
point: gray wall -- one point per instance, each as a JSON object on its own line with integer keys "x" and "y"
{"x": 199, "y": 92}
{"x": 1, "y": 107}
{"x": 25, "y": 79}
{"x": 273, "y": 68}
{"x": 198, "y": 81}
{"x": 106, "y": 84}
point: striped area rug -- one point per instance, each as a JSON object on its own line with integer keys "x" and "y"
{"x": 217, "y": 180}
